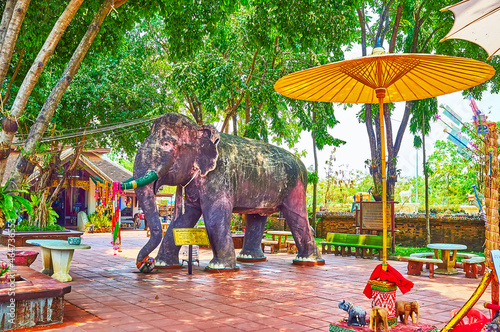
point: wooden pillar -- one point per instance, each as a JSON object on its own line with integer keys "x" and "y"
{"x": 491, "y": 201}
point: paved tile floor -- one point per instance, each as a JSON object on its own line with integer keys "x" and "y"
{"x": 108, "y": 293}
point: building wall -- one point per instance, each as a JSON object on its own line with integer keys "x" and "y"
{"x": 411, "y": 231}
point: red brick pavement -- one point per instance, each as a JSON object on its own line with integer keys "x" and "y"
{"x": 108, "y": 294}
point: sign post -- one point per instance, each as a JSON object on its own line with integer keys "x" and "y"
{"x": 190, "y": 236}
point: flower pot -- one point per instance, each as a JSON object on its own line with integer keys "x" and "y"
{"x": 23, "y": 257}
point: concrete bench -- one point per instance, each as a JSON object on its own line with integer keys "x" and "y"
{"x": 270, "y": 243}
{"x": 460, "y": 265}
{"x": 465, "y": 255}
{"x": 422, "y": 254}
{"x": 415, "y": 265}
{"x": 473, "y": 266}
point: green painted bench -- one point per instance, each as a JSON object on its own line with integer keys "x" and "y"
{"x": 360, "y": 245}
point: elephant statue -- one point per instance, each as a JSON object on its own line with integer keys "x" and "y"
{"x": 217, "y": 174}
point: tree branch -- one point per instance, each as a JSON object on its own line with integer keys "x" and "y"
{"x": 50, "y": 105}
{"x": 12, "y": 79}
{"x": 402, "y": 127}
{"x": 362, "y": 23}
{"x": 35, "y": 71}
{"x": 429, "y": 38}
{"x": 382, "y": 19}
{"x": 6, "y": 17}
{"x": 9, "y": 41}
{"x": 392, "y": 45}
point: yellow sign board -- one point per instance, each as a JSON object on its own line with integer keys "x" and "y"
{"x": 190, "y": 236}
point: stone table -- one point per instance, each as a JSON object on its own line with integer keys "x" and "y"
{"x": 448, "y": 256}
{"x": 56, "y": 257}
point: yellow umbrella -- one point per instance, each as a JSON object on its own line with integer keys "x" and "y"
{"x": 384, "y": 78}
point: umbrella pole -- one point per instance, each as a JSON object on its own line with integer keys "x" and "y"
{"x": 381, "y": 95}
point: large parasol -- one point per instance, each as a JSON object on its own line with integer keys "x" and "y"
{"x": 384, "y": 78}
{"x": 477, "y": 21}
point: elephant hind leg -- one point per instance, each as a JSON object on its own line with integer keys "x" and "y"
{"x": 253, "y": 237}
{"x": 295, "y": 212}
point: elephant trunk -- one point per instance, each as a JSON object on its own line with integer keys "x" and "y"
{"x": 140, "y": 182}
{"x": 146, "y": 198}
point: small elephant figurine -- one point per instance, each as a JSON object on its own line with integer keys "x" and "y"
{"x": 405, "y": 309}
{"x": 378, "y": 316}
{"x": 357, "y": 315}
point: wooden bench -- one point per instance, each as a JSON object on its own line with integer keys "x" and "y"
{"x": 471, "y": 267}
{"x": 358, "y": 244}
{"x": 415, "y": 265}
{"x": 368, "y": 244}
{"x": 291, "y": 248}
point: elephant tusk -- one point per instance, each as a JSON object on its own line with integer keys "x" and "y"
{"x": 140, "y": 182}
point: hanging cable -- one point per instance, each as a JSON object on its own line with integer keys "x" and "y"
{"x": 90, "y": 132}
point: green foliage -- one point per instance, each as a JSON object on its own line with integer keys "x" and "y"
{"x": 26, "y": 226}
{"x": 12, "y": 205}
{"x": 36, "y": 203}
{"x": 234, "y": 67}
{"x": 451, "y": 176}
{"x": 99, "y": 221}
{"x": 423, "y": 112}
{"x": 312, "y": 177}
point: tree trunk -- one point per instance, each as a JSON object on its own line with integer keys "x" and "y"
{"x": 315, "y": 184}
{"x": 34, "y": 73}
{"x": 6, "y": 17}
{"x": 13, "y": 27}
{"x": 235, "y": 124}
{"x": 426, "y": 176}
{"x": 50, "y": 105}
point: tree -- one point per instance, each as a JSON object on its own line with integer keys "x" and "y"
{"x": 230, "y": 78}
{"x": 232, "y": 75}
{"x": 452, "y": 175}
{"x": 411, "y": 27}
{"x": 423, "y": 109}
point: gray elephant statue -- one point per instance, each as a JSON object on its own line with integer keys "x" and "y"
{"x": 218, "y": 174}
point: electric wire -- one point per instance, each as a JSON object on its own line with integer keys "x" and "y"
{"x": 121, "y": 127}
{"x": 119, "y": 132}
{"x": 97, "y": 126}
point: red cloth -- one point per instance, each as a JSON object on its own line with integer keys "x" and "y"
{"x": 391, "y": 275}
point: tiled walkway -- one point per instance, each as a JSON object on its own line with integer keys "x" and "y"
{"x": 269, "y": 296}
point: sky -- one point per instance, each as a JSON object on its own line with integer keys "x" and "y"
{"x": 357, "y": 149}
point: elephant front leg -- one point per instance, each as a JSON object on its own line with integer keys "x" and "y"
{"x": 252, "y": 250}
{"x": 217, "y": 216}
{"x": 168, "y": 254}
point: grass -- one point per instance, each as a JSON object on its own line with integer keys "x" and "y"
{"x": 401, "y": 251}
{"x": 406, "y": 251}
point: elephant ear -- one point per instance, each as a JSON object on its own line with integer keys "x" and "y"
{"x": 208, "y": 139}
